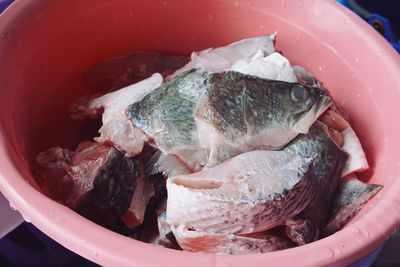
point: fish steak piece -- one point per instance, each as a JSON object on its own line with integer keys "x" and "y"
{"x": 99, "y": 180}
{"x": 252, "y": 192}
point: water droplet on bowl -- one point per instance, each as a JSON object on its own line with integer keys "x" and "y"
{"x": 337, "y": 252}
{"x": 236, "y": 4}
{"x": 28, "y": 220}
{"x": 366, "y": 234}
{"x": 300, "y": 3}
{"x": 356, "y": 60}
{"x": 12, "y": 206}
{"x": 331, "y": 253}
{"x": 283, "y": 3}
{"x": 165, "y": 3}
{"x": 211, "y": 17}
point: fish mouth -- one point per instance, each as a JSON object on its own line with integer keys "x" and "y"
{"x": 307, "y": 118}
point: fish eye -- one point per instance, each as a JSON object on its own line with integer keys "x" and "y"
{"x": 299, "y": 93}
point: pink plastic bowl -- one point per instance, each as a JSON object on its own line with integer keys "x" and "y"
{"x": 46, "y": 45}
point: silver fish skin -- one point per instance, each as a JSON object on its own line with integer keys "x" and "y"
{"x": 252, "y": 192}
{"x": 166, "y": 116}
{"x": 205, "y": 118}
{"x": 329, "y": 162}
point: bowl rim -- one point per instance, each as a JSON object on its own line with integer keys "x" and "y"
{"x": 70, "y": 229}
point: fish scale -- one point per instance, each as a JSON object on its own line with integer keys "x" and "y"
{"x": 162, "y": 107}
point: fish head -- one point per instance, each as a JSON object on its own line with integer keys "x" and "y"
{"x": 306, "y": 104}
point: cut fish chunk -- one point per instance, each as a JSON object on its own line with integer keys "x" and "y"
{"x": 222, "y": 58}
{"x": 329, "y": 161}
{"x": 166, "y": 116}
{"x": 351, "y": 144}
{"x": 242, "y": 113}
{"x": 357, "y": 161}
{"x": 101, "y": 179}
{"x": 219, "y": 243}
{"x": 117, "y": 128}
{"x": 251, "y": 192}
{"x": 205, "y": 118}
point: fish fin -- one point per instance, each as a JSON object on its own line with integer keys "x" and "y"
{"x": 351, "y": 197}
{"x": 169, "y": 165}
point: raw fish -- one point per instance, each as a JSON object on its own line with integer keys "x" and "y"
{"x": 252, "y": 192}
{"x": 205, "y": 118}
{"x": 117, "y": 129}
{"x": 99, "y": 180}
{"x": 329, "y": 161}
{"x": 240, "y": 113}
{"x": 222, "y": 58}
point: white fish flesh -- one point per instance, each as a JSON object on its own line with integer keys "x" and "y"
{"x": 222, "y": 58}
{"x": 357, "y": 161}
{"x": 117, "y": 128}
{"x": 273, "y": 67}
{"x": 252, "y": 192}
